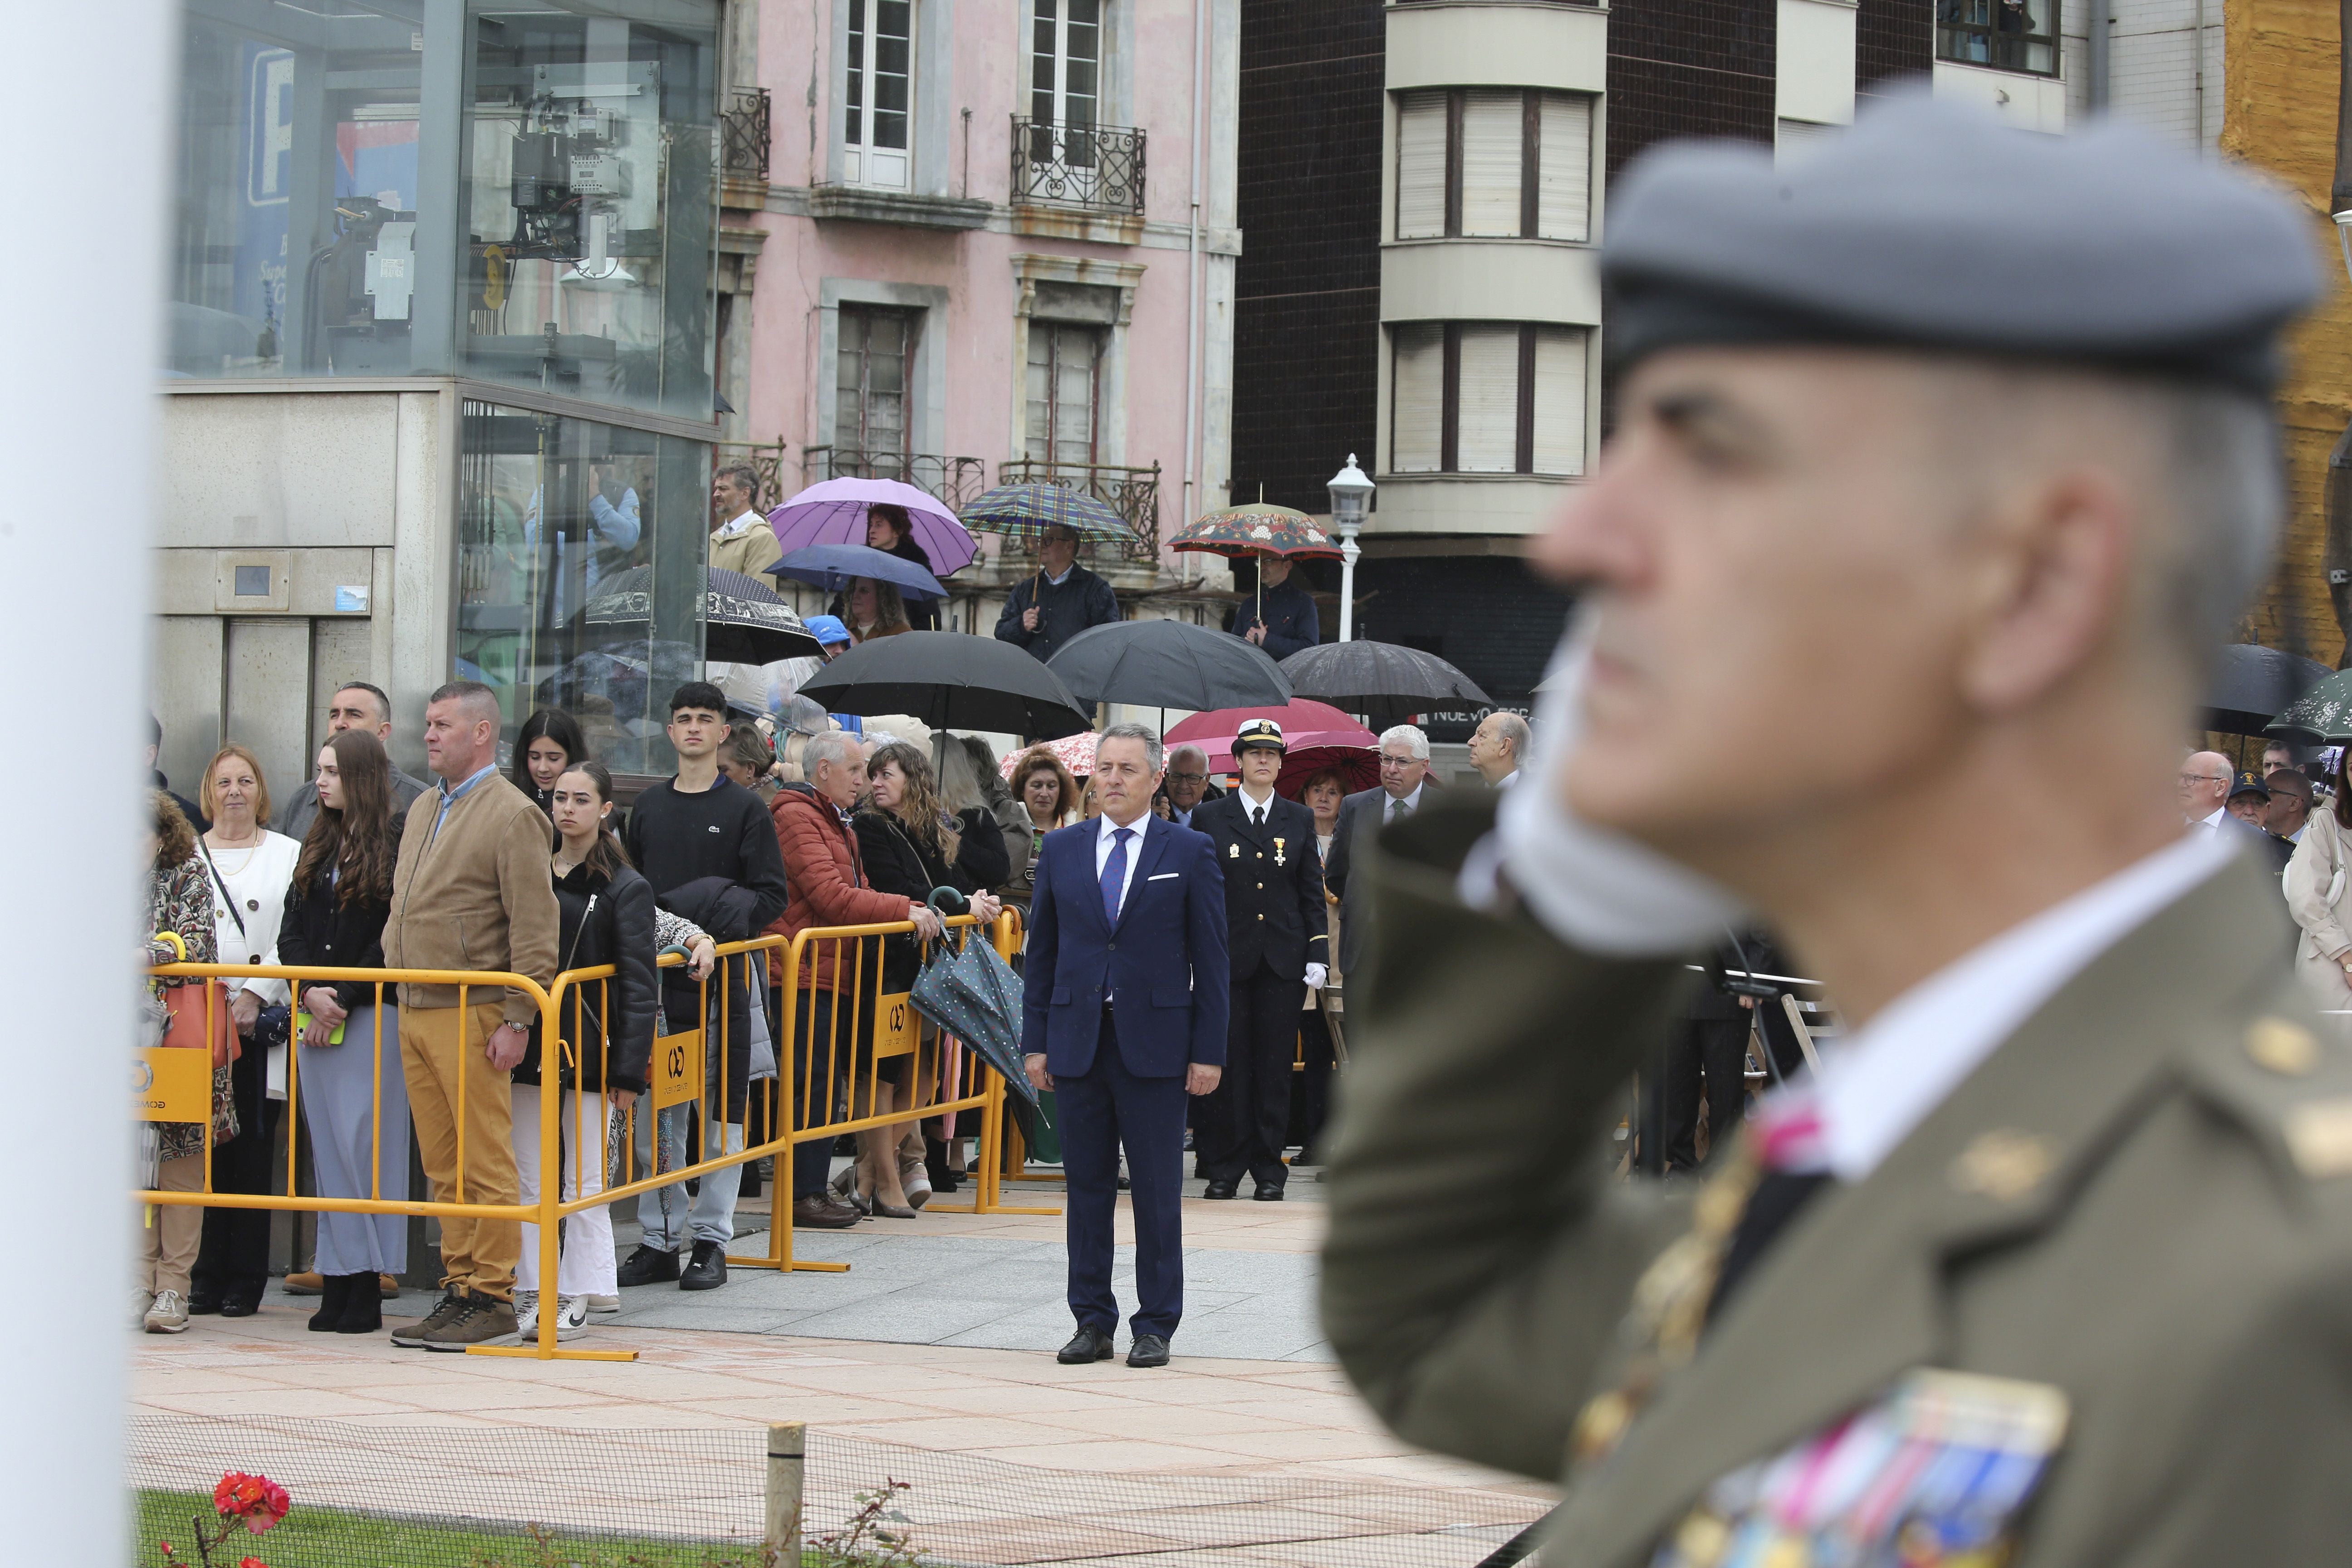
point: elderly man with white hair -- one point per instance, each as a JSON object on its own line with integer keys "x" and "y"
{"x": 1404, "y": 785}
{"x": 1497, "y": 746}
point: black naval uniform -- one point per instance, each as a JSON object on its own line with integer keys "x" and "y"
{"x": 1277, "y": 927}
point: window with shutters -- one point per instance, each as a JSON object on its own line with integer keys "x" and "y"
{"x": 1494, "y": 163}
{"x": 1487, "y": 397}
{"x": 878, "y": 94}
{"x": 874, "y": 369}
{"x": 1064, "y": 390}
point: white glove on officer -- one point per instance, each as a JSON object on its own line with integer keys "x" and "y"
{"x": 1592, "y": 888}
{"x": 1315, "y": 975}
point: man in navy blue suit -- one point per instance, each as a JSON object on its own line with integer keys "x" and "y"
{"x": 1124, "y": 1015}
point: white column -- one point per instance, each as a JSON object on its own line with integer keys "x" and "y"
{"x": 78, "y": 411}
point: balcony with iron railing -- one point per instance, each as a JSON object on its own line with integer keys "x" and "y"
{"x": 744, "y": 133}
{"x": 1132, "y": 493}
{"x": 957, "y": 482}
{"x": 1098, "y": 168}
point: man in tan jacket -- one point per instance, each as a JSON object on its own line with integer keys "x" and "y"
{"x": 471, "y": 891}
{"x": 741, "y": 539}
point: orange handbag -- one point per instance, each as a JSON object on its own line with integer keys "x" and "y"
{"x": 190, "y": 1007}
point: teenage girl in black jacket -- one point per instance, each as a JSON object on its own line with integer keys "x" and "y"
{"x": 608, "y": 916}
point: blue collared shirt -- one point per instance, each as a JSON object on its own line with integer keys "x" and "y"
{"x": 451, "y": 795}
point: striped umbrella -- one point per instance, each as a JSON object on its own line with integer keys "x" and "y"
{"x": 1026, "y": 510}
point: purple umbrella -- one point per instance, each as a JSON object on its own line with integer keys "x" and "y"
{"x": 834, "y": 513}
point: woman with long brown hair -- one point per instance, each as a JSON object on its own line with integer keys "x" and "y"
{"x": 1045, "y": 797}
{"x": 353, "y": 1094}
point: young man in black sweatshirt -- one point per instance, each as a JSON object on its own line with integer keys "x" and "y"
{"x": 707, "y": 846}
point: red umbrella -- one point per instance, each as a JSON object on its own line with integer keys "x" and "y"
{"x": 1359, "y": 765}
{"x": 1306, "y": 725}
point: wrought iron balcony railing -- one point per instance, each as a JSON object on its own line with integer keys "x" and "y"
{"x": 1099, "y": 167}
{"x": 743, "y": 132}
{"x": 959, "y": 481}
{"x": 1132, "y": 493}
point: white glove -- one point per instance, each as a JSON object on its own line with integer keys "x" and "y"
{"x": 1315, "y": 975}
{"x": 1595, "y": 890}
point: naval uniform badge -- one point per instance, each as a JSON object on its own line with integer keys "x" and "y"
{"x": 1934, "y": 1475}
{"x": 1278, "y": 853}
{"x": 1233, "y": 851}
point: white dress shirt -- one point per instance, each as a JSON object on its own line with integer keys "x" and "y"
{"x": 1255, "y": 806}
{"x": 741, "y": 524}
{"x": 1411, "y": 803}
{"x": 1877, "y": 1084}
{"x": 1507, "y": 779}
{"x": 1104, "y": 843}
{"x": 2214, "y": 821}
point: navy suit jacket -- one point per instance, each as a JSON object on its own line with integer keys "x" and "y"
{"x": 1163, "y": 968}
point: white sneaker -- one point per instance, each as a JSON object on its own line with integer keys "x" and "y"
{"x": 169, "y": 1315}
{"x": 526, "y": 1306}
{"x": 570, "y": 1317}
{"x": 602, "y": 1303}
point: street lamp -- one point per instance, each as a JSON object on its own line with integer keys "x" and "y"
{"x": 1351, "y": 497}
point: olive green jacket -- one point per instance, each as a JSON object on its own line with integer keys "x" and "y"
{"x": 2172, "y": 1249}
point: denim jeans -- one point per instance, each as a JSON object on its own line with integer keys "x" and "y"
{"x": 666, "y": 1215}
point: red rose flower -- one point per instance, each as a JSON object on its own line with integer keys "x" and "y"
{"x": 251, "y": 1563}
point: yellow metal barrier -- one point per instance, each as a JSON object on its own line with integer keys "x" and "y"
{"x": 683, "y": 1071}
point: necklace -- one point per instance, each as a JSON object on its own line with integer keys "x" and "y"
{"x": 251, "y": 846}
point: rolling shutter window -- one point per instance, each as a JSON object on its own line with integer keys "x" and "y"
{"x": 1560, "y": 400}
{"x": 1564, "y": 169}
{"x": 1420, "y": 165}
{"x": 1417, "y": 415}
{"x": 1488, "y": 441}
{"x": 1494, "y": 131}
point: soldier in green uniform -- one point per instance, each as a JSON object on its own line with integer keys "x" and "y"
{"x": 1941, "y": 454}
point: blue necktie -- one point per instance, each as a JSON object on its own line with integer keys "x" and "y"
{"x": 1114, "y": 874}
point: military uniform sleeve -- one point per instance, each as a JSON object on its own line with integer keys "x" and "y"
{"x": 2274, "y": 1419}
{"x": 1480, "y": 1256}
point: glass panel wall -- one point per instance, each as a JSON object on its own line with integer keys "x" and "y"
{"x": 294, "y": 245}
{"x": 580, "y": 574}
{"x": 590, "y": 200}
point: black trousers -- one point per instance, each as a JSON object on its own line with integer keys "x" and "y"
{"x": 234, "y": 1258}
{"x": 1716, "y": 1049}
{"x": 1244, "y": 1125}
{"x": 1310, "y": 1096}
{"x": 818, "y": 1066}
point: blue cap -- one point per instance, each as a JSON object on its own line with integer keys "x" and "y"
{"x": 826, "y": 629}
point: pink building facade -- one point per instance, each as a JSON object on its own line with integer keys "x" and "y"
{"x": 993, "y": 240}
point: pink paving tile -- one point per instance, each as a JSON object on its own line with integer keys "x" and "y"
{"x": 1172, "y": 1422}
{"x": 1112, "y": 1456}
{"x": 953, "y": 1434}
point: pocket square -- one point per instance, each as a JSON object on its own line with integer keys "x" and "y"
{"x": 1164, "y": 876}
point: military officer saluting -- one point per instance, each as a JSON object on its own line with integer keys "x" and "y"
{"x": 1943, "y": 451}
{"x": 1278, "y": 938}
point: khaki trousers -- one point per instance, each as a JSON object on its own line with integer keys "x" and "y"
{"x": 169, "y": 1234}
{"x": 441, "y": 1051}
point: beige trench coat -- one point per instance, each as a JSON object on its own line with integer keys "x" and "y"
{"x": 2318, "y": 868}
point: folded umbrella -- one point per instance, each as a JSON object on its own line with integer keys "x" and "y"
{"x": 831, "y": 566}
{"x": 970, "y": 993}
{"x": 951, "y": 681}
{"x": 1168, "y": 664}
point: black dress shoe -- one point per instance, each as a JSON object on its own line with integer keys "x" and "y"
{"x": 240, "y": 1303}
{"x": 1268, "y": 1192}
{"x": 650, "y": 1265}
{"x": 1088, "y": 1344}
{"x": 204, "y": 1305}
{"x": 708, "y": 1271}
{"x": 1222, "y": 1190}
{"x": 1149, "y": 1350}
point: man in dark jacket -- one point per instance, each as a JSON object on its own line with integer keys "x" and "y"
{"x": 1280, "y": 617}
{"x": 708, "y": 847}
{"x": 1057, "y": 603}
{"x": 1278, "y": 944}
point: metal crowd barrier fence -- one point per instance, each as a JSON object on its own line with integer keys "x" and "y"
{"x": 865, "y": 1026}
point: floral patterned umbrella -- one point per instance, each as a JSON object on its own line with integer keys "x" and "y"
{"x": 1243, "y": 531}
{"x": 1075, "y": 753}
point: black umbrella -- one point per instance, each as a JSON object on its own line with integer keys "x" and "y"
{"x": 1169, "y": 664}
{"x": 2254, "y": 683}
{"x": 951, "y": 681}
{"x": 1383, "y": 679}
{"x": 744, "y": 620}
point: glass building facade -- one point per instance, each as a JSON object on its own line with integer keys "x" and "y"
{"x": 501, "y": 195}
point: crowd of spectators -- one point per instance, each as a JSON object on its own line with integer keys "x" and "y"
{"x": 518, "y": 857}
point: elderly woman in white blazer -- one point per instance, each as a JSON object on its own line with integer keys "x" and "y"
{"x": 2319, "y": 896}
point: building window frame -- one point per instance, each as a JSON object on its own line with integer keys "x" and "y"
{"x": 864, "y": 78}
{"x": 1535, "y": 105}
{"x": 2000, "y": 34}
{"x": 909, "y": 323}
{"x": 1527, "y": 431}
{"x": 927, "y": 367}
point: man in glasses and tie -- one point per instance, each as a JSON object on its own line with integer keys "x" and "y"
{"x": 1403, "y": 790}
{"x": 1277, "y": 932}
{"x": 1128, "y": 912}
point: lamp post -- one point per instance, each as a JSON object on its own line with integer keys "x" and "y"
{"x": 1351, "y": 497}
